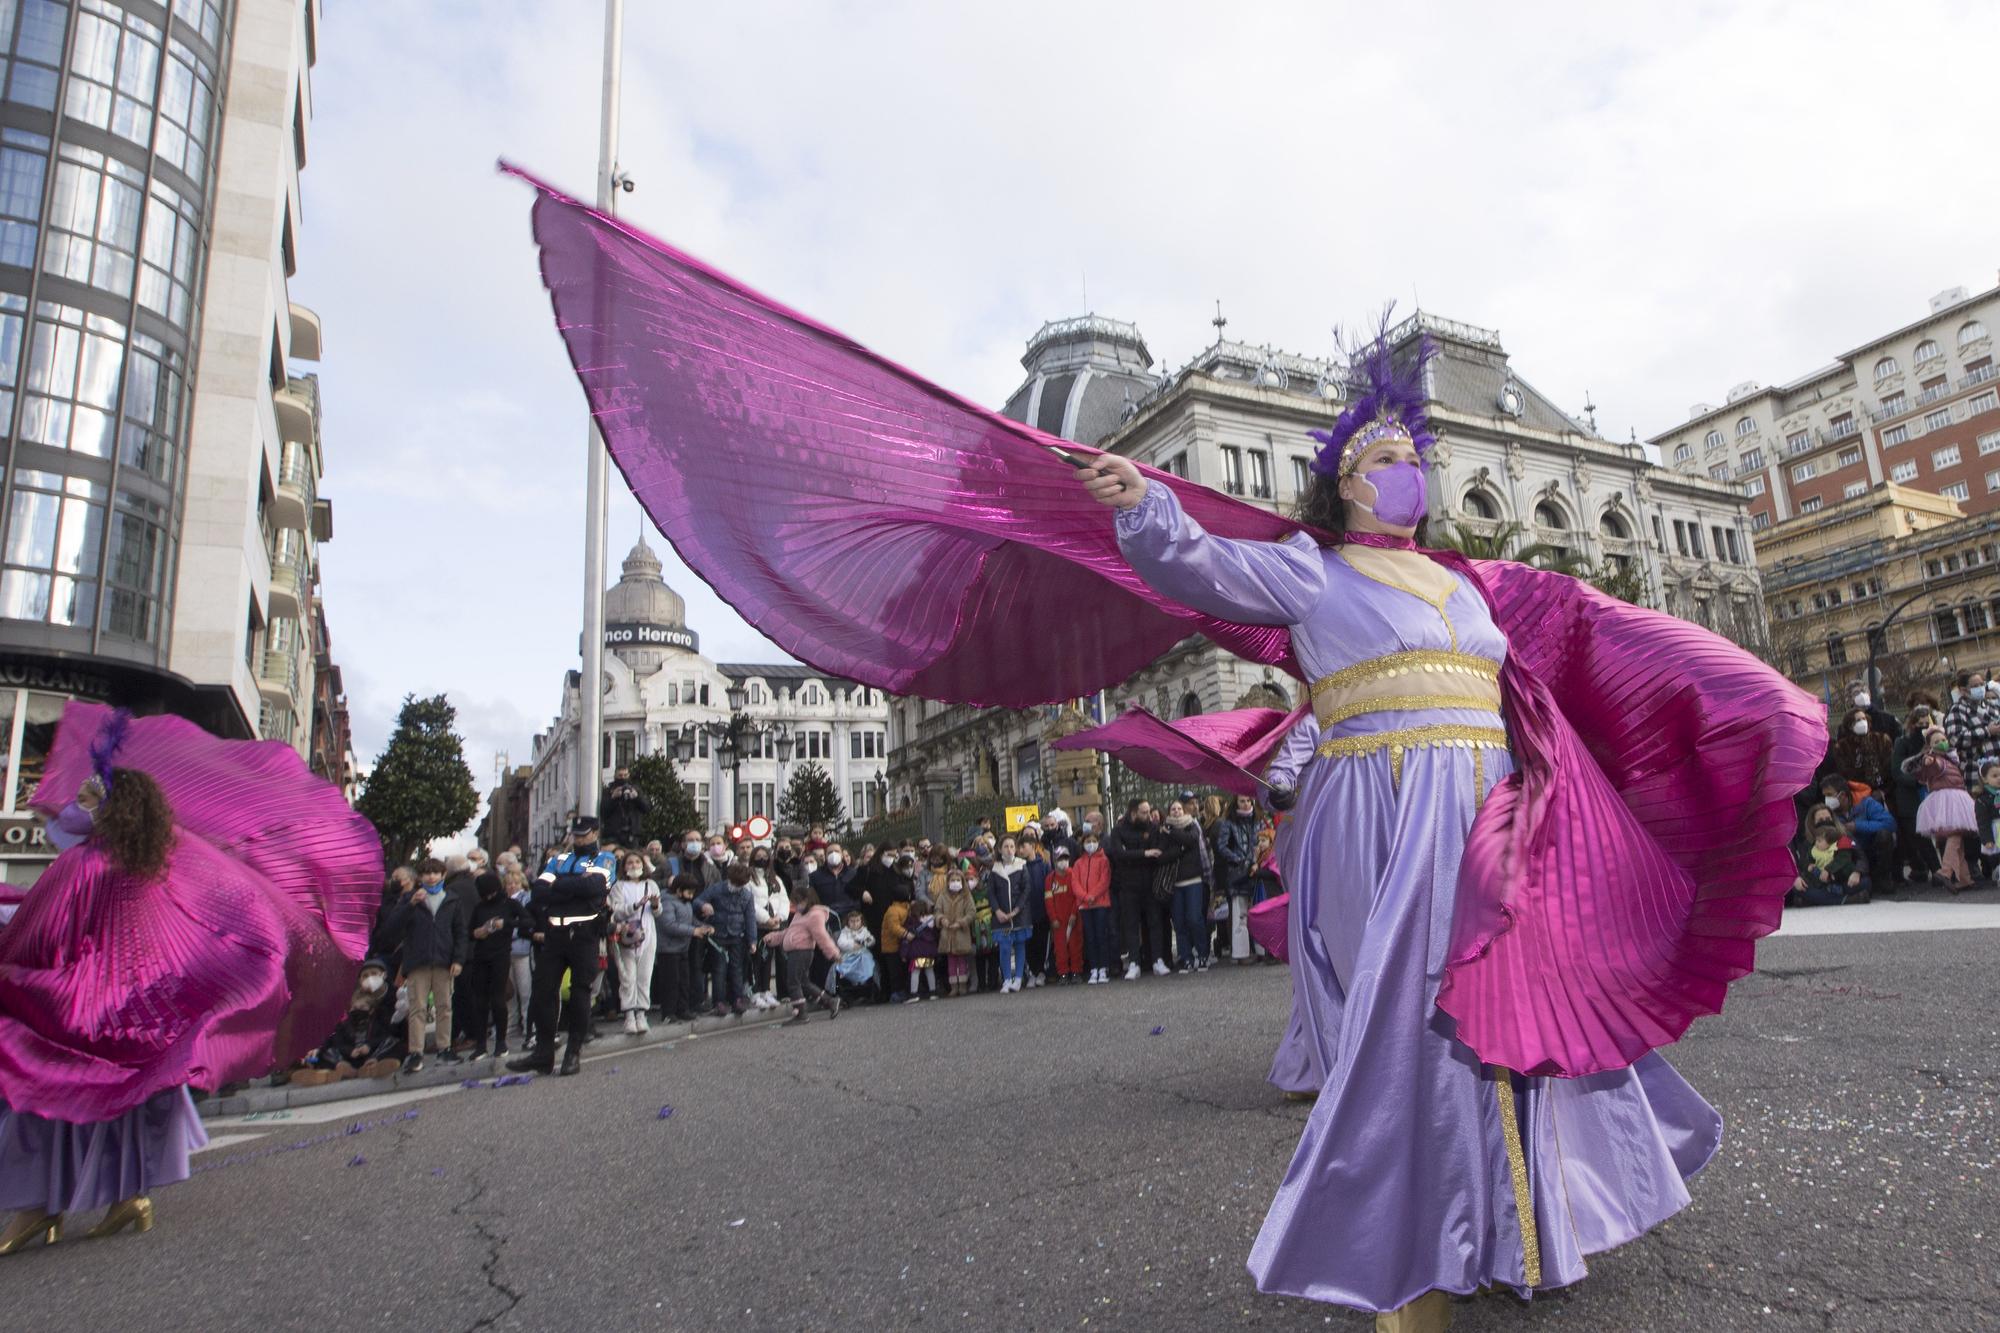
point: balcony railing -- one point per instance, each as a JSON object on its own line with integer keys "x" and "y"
{"x": 1931, "y": 395}
{"x": 1834, "y": 434}
{"x": 1979, "y": 376}
{"x": 1890, "y": 409}
{"x": 278, "y": 673}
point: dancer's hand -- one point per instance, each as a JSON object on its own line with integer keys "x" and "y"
{"x": 1113, "y": 481}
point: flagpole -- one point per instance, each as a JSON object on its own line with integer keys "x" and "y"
{"x": 590, "y": 736}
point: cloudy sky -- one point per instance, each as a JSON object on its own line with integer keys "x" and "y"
{"x": 1651, "y": 204}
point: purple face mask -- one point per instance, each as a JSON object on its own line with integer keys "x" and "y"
{"x": 1399, "y": 494}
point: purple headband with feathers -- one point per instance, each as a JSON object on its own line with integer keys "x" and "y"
{"x": 105, "y": 746}
{"x": 1391, "y": 403}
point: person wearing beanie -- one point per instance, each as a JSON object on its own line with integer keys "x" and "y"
{"x": 496, "y": 919}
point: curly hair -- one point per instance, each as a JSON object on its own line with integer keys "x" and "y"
{"x": 135, "y": 825}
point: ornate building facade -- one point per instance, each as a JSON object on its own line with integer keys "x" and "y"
{"x": 656, "y": 681}
{"x": 1236, "y": 418}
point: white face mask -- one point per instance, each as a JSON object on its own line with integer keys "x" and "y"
{"x": 1090, "y": 846}
{"x": 691, "y": 848}
{"x": 1977, "y": 691}
{"x": 1862, "y": 700}
{"x": 371, "y": 984}
{"x": 1833, "y": 803}
{"x": 1861, "y": 726}
{"x": 812, "y": 867}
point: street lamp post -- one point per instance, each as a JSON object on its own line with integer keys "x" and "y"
{"x": 731, "y": 739}
{"x": 1879, "y": 638}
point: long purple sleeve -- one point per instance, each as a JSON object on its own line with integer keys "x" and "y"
{"x": 1294, "y": 753}
{"x": 1256, "y": 583}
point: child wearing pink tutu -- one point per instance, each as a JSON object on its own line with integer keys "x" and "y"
{"x": 1947, "y": 813}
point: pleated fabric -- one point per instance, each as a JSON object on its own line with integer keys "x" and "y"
{"x": 1223, "y": 750}
{"x": 885, "y": 530}
{"x": 241, "y": 956}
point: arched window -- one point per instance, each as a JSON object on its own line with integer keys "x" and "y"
{"x": 1886, "y": 367}
{"x": 1744, "y": 426}
{"x": 1190, "y": 704}
{"x": 1550, "y": 515}
{"x": 1928, "y": 351}
{"x": 1478, "y": 504}
{"x": 1970, "y": 332}
{"x": 1713, "y": 439}
{"x": 1613, "y": 525}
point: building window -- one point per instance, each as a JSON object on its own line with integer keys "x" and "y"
{"x": 1754, "y": 486}
{"x": 1720, "y": 472}
{"x": 1745, "y": 426}
{"x": 1798, "y": 441}
{"x": 1983, "y": 402}
{"x": 812, "y": 696}
{"x": 55, "y": 526}
{"x": 1683, "y": 453}
{"x": 1260, "y": 474}
{"x": 698, "y": 793}
{"x": 38, "y": 50}
{"x": 815, "y": 743}
{"x": 1944, "y": 458}
{"x": 1928, "y": 350}
{"x": 1886, "y": 367}
{"x": 113, "y": 73}
{"x": 24, "y": 162}
{"x": 1301, "y": 476}
{"x": 167, "y": 264}
{"x": 1894, "y": 403}
{"x": 1694, "y": 541}
{"x": 1680, "y": 536}
{"x": 1896, "y": 434}
{"x": 1836, "y": 650}
{"x": 1810, "y": 505}
{"x": 187, "y": 101}
{"x": 1853, "y": 489}
{"x": 1177, "y": 465}
{"x": 867, "y": 744}
{"x": 1802, "y": 471}
{"x": 1715, "y": 531}
{"x": 756, "y": 798}
{"x": 1958, "y": 490}
{"x": 1232, "y": 469}
{"x": 1847, "y": 458}
{"x": 1937, "y": 420}
{"x": 1713, "y": 439}
{"x": 1751, "y": 461}
{"x": 625, "y": 746}
{"x": 93, "y": 223}
{"x": 1903, "y": 472}
{"x": 1970, "y": 332}
{"x": 1989, "y": 443}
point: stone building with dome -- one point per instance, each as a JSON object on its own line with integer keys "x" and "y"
{"x": 1236, "y": 418}
{"x": 656, "y": 681}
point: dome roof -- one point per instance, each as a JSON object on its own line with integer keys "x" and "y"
{"x": 1085, "y": 375}
{"x": 641, "y": 596}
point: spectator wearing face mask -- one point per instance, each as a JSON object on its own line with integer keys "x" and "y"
{"x": 673, "y": 988}
{"x": 831, "y": 878}
{"x": 1861, "y": 753}
{"x": 496, "y": 921}
{"x": 1973, "y": 722}
{"x": 365, "y": 1044}
{"x": 1090, "y": 884}
{"x": 434, "y": 932}
{"x": 1867, "y": 822}
{"x": 1948, "y": 813}
{"x": 1916, "y": 854}
{"x": 1880, "y": 720}
{"x": 774, "y": 910}
{"x": 876, "y": 886}
{"x": 1827, "y": 870}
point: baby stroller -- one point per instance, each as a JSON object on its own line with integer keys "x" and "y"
{"x": 853, "y": 978}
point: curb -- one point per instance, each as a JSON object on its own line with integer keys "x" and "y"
{"x": 262, "y": 1100}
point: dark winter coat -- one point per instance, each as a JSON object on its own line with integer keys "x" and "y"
{"x": 1131, "y": 869}
{"x": 431, "y": 939}
{"x": 623, "y": 810}
{"x": 509, "y": 917}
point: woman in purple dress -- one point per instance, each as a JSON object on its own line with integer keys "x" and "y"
{"x": 50, "y": 1167}
{"x": 1422, "y": 1172}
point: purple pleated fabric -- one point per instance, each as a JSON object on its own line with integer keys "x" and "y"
{"x": 1223, "y": 750}
{"x": 240, "y": 957}
{"x": 882, "y": 529}
{"x": 64, "y": 1167}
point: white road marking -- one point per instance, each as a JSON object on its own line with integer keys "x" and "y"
{"x": 1886, "y": 916}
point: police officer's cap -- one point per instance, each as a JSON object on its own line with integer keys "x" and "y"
{"x": 582, "y": 825}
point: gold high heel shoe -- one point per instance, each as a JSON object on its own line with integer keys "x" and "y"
{"x": 137, "y": 1210}
{"x": 27, "y": 1228}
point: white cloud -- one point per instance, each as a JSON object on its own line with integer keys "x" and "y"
{"x": 1651, "y": 204}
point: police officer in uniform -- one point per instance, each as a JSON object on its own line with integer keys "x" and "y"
{"x": 568, "y": 902}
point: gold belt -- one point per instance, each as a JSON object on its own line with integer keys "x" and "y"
{"x": 1455, "y": 735}
{"x": 1394, "y": 665}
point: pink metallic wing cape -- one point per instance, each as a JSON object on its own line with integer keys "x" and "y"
{"x": 1617, "y": 883}
{"x": 868, "y": 522}
{"x": 241, "y": 957}
{"x": 1269, "y": 926}
{"x": 1224, "y": 750}
{"x": 882, "y": 529}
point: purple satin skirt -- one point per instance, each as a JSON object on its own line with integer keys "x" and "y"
{"x": 61, "y": 1167}
{"x": 1408, "y": 1176}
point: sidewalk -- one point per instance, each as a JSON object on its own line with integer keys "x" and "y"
{"x": 259, "y": 1098}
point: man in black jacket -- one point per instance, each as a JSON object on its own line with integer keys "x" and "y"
{"x": 1134, "y": 849}
{"x": 624, "y": 809}
{"x": 567, "y": 899}
{"x": 432, "y": 927}
{"x": 495, "y": 920}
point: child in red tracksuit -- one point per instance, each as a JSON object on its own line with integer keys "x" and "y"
{"x": 1090, "y": 885}
{"x": 1065, "y": 931}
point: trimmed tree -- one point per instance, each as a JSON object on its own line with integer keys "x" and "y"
{"x": 672, "y": 809}
{"x": 810, "y": 798}
{"x": 421, "y": 788}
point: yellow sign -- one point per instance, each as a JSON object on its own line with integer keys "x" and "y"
{"x": 1020, "y": 816}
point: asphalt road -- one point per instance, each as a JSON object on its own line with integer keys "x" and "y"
{"x": 1050, "y": 1160}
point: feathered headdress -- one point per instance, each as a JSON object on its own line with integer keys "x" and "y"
{"x": 104, "y": 746}
{"x": 1389, "y": 404}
